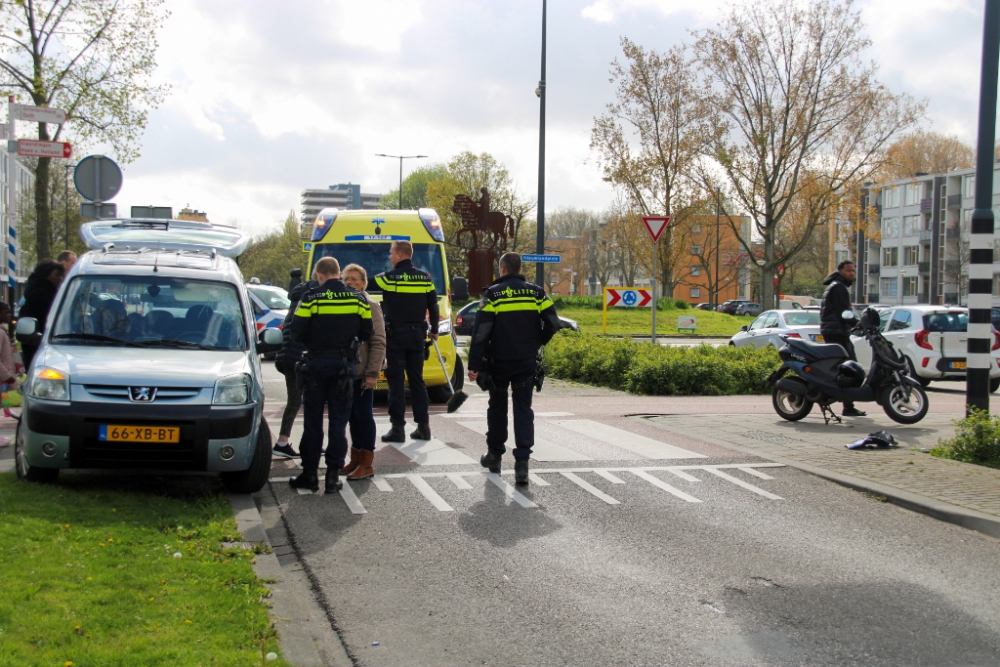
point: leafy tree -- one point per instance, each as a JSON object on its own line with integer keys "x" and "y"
{"x": 572, "y": 222}
{"x": 275, "y": 253}
{"x": 93, "y": 58}
{"x": 927, "y": 152}
{"x": 414, "y": 188}
{"x": 802, "y": 112}
{"x": 64, "y": 232}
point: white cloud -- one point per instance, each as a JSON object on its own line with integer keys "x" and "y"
{"x": 600, "y": 12}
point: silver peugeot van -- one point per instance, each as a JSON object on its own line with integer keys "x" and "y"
{"x": 150, "y": 360}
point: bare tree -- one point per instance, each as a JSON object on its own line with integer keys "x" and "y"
{"x": 803, "y": 112}
{"x": 93, "y": 58}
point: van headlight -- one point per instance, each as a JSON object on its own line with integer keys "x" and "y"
{"x": 444, "y": 326}
{"x": 232, "y": 390}
{"x": 50, "y": 384}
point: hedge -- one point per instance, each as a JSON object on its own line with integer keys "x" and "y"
{"x": 977, "y": 440}
{"x": 644, "y": 368}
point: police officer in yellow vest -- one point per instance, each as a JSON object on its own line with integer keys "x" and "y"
{"x": 331, "y": 320}
{"x": 409, "y": 300}
{"x": 516, "y": 318}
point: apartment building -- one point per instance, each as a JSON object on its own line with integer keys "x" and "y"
{"x": 920, "y": 253}
{"x": 345, "y": 196}
{"x": 13, "y": 265}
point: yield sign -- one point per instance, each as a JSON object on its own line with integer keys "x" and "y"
{"x": 628, "y": 297}
{"x": 655, "y": 226}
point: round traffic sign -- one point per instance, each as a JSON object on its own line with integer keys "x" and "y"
{"x": 629, "y": 297}
{"x": 97, "y": 178}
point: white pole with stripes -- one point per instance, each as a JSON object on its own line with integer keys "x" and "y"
{"x": 977, "y": 391}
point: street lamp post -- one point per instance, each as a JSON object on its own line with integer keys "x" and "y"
{"x": 66, "y": 168}
{"x": 540, "y": 91}
{"x": 400, "y": 158}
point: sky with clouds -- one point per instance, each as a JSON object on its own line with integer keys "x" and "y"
{"x": 269, "y": 98}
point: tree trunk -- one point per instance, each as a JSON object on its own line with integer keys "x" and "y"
{"x": 43, "y": 213}
{"x": 767, "y": 274}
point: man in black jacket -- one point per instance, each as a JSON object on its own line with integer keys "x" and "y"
{"x": 291, "y": 353}
{"x": 39, "y": 293}
{"x": 836, "y": 300}
{"x": 515, "y": 319}
{"x": 409, "y": 300}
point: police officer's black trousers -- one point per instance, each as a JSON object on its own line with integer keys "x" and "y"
{"x": 326, "y": 373}
{"x": 517, "y": 375}
{"x": 405, "y": 352}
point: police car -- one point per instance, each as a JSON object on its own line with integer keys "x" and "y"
{"x": 270, "y": 306}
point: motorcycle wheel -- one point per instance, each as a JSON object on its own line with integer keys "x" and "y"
{"x": 901, "y": 411}
{"x": 789, "y": 406}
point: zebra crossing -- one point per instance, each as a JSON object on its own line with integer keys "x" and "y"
{"x": 542, "y": 483}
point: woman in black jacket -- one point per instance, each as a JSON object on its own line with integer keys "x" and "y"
{"x": 39, "y": 293}
{"x": 284, "y": 361}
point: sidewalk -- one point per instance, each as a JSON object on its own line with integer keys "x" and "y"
{"x": 961, "y": 493}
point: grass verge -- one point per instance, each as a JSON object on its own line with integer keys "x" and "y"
{"x": 106, "y": 572}
{"x": 977, "y": 440}
{"x": 638, "y": 321}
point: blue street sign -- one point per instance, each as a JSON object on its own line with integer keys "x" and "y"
{"x": 541, "y": 259}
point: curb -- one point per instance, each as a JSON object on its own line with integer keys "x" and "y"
{"x": 971, "y": 519}
{"x": 305, "y": 634}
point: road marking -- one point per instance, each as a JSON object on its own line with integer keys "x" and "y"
{"x": 353, "y": 504}
{"x": 429, "y": 493}
{"x": 459, "y": 481}
{"x": 509, "y": 490}
{"x": 543, "y": 450}
{"x": 428, "y": 452}
{"x": 608, "y": 476}
{"x": 683, "y": 475}
{"x": 755, "y": 473}
{"x": 740, "y": 482}
{"x": 587, "y": 486}
{"x": 655, "y": 481}
{"x": 381, "y": 484}
{"x": 653, "y": 449}
{"x": 554, "y": 414}
{"x": 537, "y": 479}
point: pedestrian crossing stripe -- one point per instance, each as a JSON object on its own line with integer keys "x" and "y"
{"x": 458, "y": 479}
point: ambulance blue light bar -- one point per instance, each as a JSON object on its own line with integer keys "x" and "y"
{"x": 323, "y": 223}
{"x": 432, "y": 222}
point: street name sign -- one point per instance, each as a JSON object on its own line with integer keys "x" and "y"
{"x": 541, "y": 259}
{"x": 34, "y": 148}
{"x": 38, "y": 114}
{"x": 628, "y": 297}
{"x": 655, "y": 226}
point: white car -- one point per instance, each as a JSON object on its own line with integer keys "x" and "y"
{"x": 769, "y": 326}
{"x": 933, "y": 339}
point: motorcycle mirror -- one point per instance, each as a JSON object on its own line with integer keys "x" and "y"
{"x": 848, "y": 315}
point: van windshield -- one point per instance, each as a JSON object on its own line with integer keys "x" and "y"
{"x": 374, "y": 257}
{"x": 150, "y": 312}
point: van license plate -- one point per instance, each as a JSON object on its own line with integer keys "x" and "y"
{"x": 957, "y": 365}
{"x": 116, "y": 433}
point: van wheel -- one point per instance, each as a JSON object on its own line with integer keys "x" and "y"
{"x": 255, "y": 477}
{"x": 441, "y": 393}
{"x": 27, "y": 472}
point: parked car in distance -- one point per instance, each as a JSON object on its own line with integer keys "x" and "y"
{"x": 729, "y": 307}
{"x": 706, "y": 306}
{"x": 465, "y": 318}
{"x": 933, "y": 339}
{"x": 770, "y": 325}
{"x": 748, "y": 308}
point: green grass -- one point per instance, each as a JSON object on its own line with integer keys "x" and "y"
{"x": 637, "y": 321}
{"x": 91, "y": 577}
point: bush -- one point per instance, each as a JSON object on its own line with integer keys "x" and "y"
{"x": 680, "y": 304}
{"x": 578, "y": 302}
{"x": 644, "y": 368}
{"x": 977, "y": 440}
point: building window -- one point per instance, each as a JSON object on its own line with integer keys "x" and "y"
{"x": 696, "y": 229}
{"x": 909, "y": 285}
{"x": 996, "y": 284}
{"x": 841, "y": 256}
{"x": 695, "y": 292}
{"x": 695, "y": 270}
{"x": 890, "y": 228}
{"x": 890, "y": 257}
{"x": 969, "y": 186}
{"x": 912, "y": 194}
{"x": 889, "y": 286}
{"x": 890, "y": 197}
{"x": 695, "y": 249}
{"x": 996, "y": 250}
{"x": 911, "y": 255}
{"x": 911, "y": 225}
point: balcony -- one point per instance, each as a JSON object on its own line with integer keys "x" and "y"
{"x": 926, "y": 204}
{"x": 926, "y": 235}
{"x": 923, "y": 297}
{"x": 954, "y": 201}
{"x": 924, "y": 267}
{"x": 873, "y": 269}
{"x": 873, "y": 298}
{"x": 952, "y": 232}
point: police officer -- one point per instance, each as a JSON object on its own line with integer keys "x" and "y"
{"x": 408, "y": 299}
{"x": 515, "y": 319}
{"x": 331, "y": 320}
{"x": 836, "y": 300}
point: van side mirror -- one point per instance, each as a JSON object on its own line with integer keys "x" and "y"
{"x": 27, "y": 326}
{"x": 270, "y": 340}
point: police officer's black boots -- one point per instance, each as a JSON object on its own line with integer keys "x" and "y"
{"x": 309, "y": 479}
{"x": 521, "y": 473}
{"x": 333, "y": 483}
{"x": 396, "y": 433}
{"x": 491, "y": 461}
{"x": 423, "y": 432}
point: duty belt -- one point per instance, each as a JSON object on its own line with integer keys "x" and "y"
{"x": 345, "y": 355}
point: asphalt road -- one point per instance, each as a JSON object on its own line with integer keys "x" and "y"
{"x": 637, "y": 546}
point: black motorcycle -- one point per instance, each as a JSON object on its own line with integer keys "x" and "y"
{"x": 823, "y": 374}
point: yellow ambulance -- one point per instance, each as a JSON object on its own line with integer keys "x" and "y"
{"x": 363, "y": 237}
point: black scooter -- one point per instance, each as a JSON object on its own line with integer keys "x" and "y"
{"x": 823, "y": 374}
